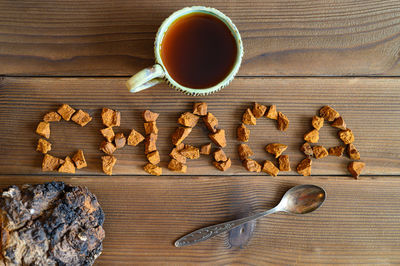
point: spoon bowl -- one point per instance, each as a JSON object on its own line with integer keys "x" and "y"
{"x": 302, "y": 199}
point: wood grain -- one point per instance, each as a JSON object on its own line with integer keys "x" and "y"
{"x": 370, "y": 107}
{"x": 280, "y": 37}
{"x": 358, "y": 224}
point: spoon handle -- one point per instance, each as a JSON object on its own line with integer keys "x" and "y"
{"x": 213, "y": 230}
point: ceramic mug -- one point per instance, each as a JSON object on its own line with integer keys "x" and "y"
{"x": 157, "y": 73}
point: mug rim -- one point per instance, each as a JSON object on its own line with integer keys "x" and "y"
{"x": 222, "y": 17}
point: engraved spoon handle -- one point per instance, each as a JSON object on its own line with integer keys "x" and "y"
{"x": 213, "y": 230}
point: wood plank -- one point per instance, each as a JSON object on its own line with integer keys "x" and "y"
{"x": 369, "y": 106}
{"x": 280, "y": 37}
{"x": 358, "y": 224}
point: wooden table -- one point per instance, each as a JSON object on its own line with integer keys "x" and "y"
{"x": 299, "y": 55}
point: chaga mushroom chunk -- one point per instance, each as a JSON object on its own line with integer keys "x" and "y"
{"x": 320, "y": 152}
{"x": 317, "y": 122}
{"x": 51, "y": 117}
{"x": 284, "y": 163}
{"x": 81, "y": 118}
{"x": 177, "y": 166}
{"x": 188, "y": 119}
{"x": 243, "y": 133}
{"x": 248, "y": 118}
{"x": 328, "y": 113}
{"x": 79, "y": 159}
{"x": 283, "y": 122}
{"x": 153, "y": 169}
{"x": 43, "y": 146}
{"x": 66, "y": 111}
{"x": 211, "y": 122}
{"x": 108, "y": 133}
{"x": 304, "y": 167}
{"x": 205, "y": 149}
{"x": 200, "y": 109}
{"x": 336, "y": 151}
{"x": 259, "y": 110}
{"x": 150, "y": 127}
{"x": 307, "y": 149}
{"x": 190, "y": 152}
{"x": 276, "y": 149}
{"x": 251, "y": 165}
{"x": 119, "y": 140}
{"x": 180, "y": 134}
{"x": 218, "y": 138}
{"x": 272, "y": 113}
{"x": 43, "y": 129}
{"x": 50, "y": 224}
{"x": 312, "y": 136}
{"x": 135, "y": 138}
{"x": 149, "y": 116}
{"x": 244, "y": 151}
{"x": 111, "y": 118}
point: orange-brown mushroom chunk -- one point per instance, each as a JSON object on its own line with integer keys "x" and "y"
{"x": 43, "y": 146}
{"x": 200, "y": 109}
{"x": 79, "y": 159}
{"x": 243, "y": 133}
{"x": 43, "y": 129}
{"x": 81, "y": 118}
{"x": 67, "y": 167}
{"x": 328, "y": 113}
{"x": 248, "y": 118}
{"x": 180, "y": 134}
{"x": 110, "y": 118}
{"x": 259, "y": 110}
{"x": 150, "y": 116}
{"x": 135, "y": 138}
{"x": 51, "y": 117}
{"x": 211, "y": 122}
{"x": 270, "y": 168}
{"x": 276, "y": 149}
{"x": 153, "y": 169}
{"x": 251, "y": 165}
{"x": 108, "y": 163}
{"x": 223, "y": 166}
{"x": 188, "y": 119}
{"x": 284, "y": 163}
{"x": 355, "y": 168}
{"x": 304, "y": 167}
{"x": 66, "y": 111}
{"x": 219, "y": 138}
{"x": 283, "y": 122}
{"x": 336, "y": 151}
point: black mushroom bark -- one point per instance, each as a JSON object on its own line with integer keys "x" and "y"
{"x": 50, "y": 224}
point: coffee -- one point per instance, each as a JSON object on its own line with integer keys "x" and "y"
{"x": 198, "y": 50}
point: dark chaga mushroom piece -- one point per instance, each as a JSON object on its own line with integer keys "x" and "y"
{"x": 50, "y": 224}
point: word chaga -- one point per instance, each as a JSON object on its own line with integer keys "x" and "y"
{"x": 181, "y": 152}
{"x": 250, "y": 117}
{"x": 49, "y": 162}
{"x": 345, "y": 134}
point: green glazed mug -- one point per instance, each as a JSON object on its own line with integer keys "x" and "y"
{"x": 158, "y": 73}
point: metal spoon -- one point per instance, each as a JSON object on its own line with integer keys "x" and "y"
{"x": 300, "y": 199}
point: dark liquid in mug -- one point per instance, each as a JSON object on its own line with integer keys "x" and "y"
{"x": 198, "y": 50}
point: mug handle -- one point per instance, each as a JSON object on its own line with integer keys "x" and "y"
{"x": 146, "y": 78}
